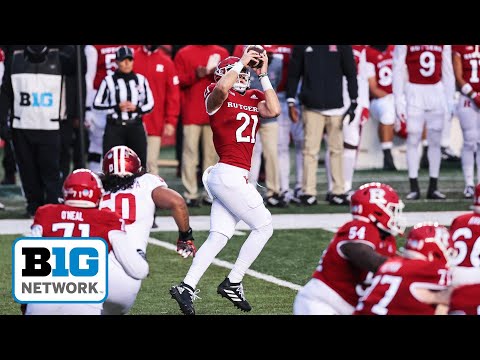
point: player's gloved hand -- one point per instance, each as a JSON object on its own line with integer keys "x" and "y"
{"x": 185, "y": 245}
{"x": 350, "y": 113}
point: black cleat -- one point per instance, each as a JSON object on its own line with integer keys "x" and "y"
{"x": 234, "y": 293}
{"x": 469, "y": 192}
{"x": 308, "y": 200}
{"x": 184, "y": 295}
{"x": 436, "y": 195}
{"x": 413, "y": 195}
{"x": 339, "y": 200}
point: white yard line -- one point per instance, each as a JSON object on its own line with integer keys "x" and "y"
{"x": 228, "y": 265}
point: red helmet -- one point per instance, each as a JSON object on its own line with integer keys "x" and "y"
{"x": 82, "y": 188}
{"x": 121, "y": 161}
{"x": 476, "y": 200}
{"x": 400, "y": 128}
{"x": 430, "y": 241}
{"x": 380, "y": 204}
{"x": 225, "y": 65}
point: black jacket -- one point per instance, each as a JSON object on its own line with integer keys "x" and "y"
{"x": 322, "y": 68}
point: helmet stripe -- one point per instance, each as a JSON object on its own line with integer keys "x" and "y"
{"x": 115, "y": 160}
{"x": 122, "y": 160}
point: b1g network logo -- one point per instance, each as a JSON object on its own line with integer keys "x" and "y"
{"x": 60, "y": 270}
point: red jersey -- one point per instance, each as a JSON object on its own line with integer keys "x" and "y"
{"x": 106, "y": 64}
{"x": 470, "y": 56}
{"x": 58, "y": 220}
{"x": 393, "y": 286}
{"x": 187, "y": 60}
{"x": 465, "y": 300}
{"x": 382, "y": 62}
{"x": 235, "y": 125}
{"x": 338, "y": 273}
{"x": 161, "y": 74}
{"x": 357, "y": 53}
{"x": 465, "y": 233}
{"x": 424, "y": 63}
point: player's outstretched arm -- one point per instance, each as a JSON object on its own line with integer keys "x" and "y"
{"x": 168, "y": 199}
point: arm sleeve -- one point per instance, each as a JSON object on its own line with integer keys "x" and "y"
{"x": 172, "y": 98}
{"x": 92, "y": 59}
{"x": 399, "y": 72}
{"x": 350, "y": 71}
{"x": 101, "y": 96}
{"x": 295, "y": 71}
{"x": 448, "y": 78}
{"x": 126, "y": 254}
{"x": 149, "y": 102}
{"x": 186, "y": 76}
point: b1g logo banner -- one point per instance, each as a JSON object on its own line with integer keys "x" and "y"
{"x": 60, "y": 270}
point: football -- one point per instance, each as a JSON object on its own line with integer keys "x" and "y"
{"x": 256, "y": 64}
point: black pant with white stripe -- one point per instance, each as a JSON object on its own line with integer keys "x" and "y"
{"x": 131, "y": 135}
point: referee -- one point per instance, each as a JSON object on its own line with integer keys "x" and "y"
{"x": 126, "y": 96}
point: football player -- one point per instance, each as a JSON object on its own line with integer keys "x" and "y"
{"x": 466, "y": 61}
{"x": 352, "y": 127}
{"x": 234, "y": 111}
{"x": 415, "y": 283}
{"x": 465, "y": 233}
{"x": 82, "y": 191}
{"x": 382, "y": 107}
{"x": 423, "y": 90}
{"x": 355, "y": 253}
{"x": 134, "y": 195}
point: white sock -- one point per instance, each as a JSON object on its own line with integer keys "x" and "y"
{"x": 204, "y": 257}
{"x": 349, "y": 160}
{"x": 387, "y": 145}
{"x": 249, "y": 252}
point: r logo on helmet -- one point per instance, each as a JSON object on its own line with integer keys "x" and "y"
{"x": 377, "y": 196}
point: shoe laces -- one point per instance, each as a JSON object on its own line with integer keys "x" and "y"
{"x": 240, "y": 291}
{"x": 194, "y": 295}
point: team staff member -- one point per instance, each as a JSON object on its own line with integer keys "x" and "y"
{"x": 32, "y": 92}
{"x": 322, "y": 68}
{"x": 126, "y": 96}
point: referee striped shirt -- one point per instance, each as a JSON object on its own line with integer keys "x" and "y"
{"x": 120, "y": 87}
